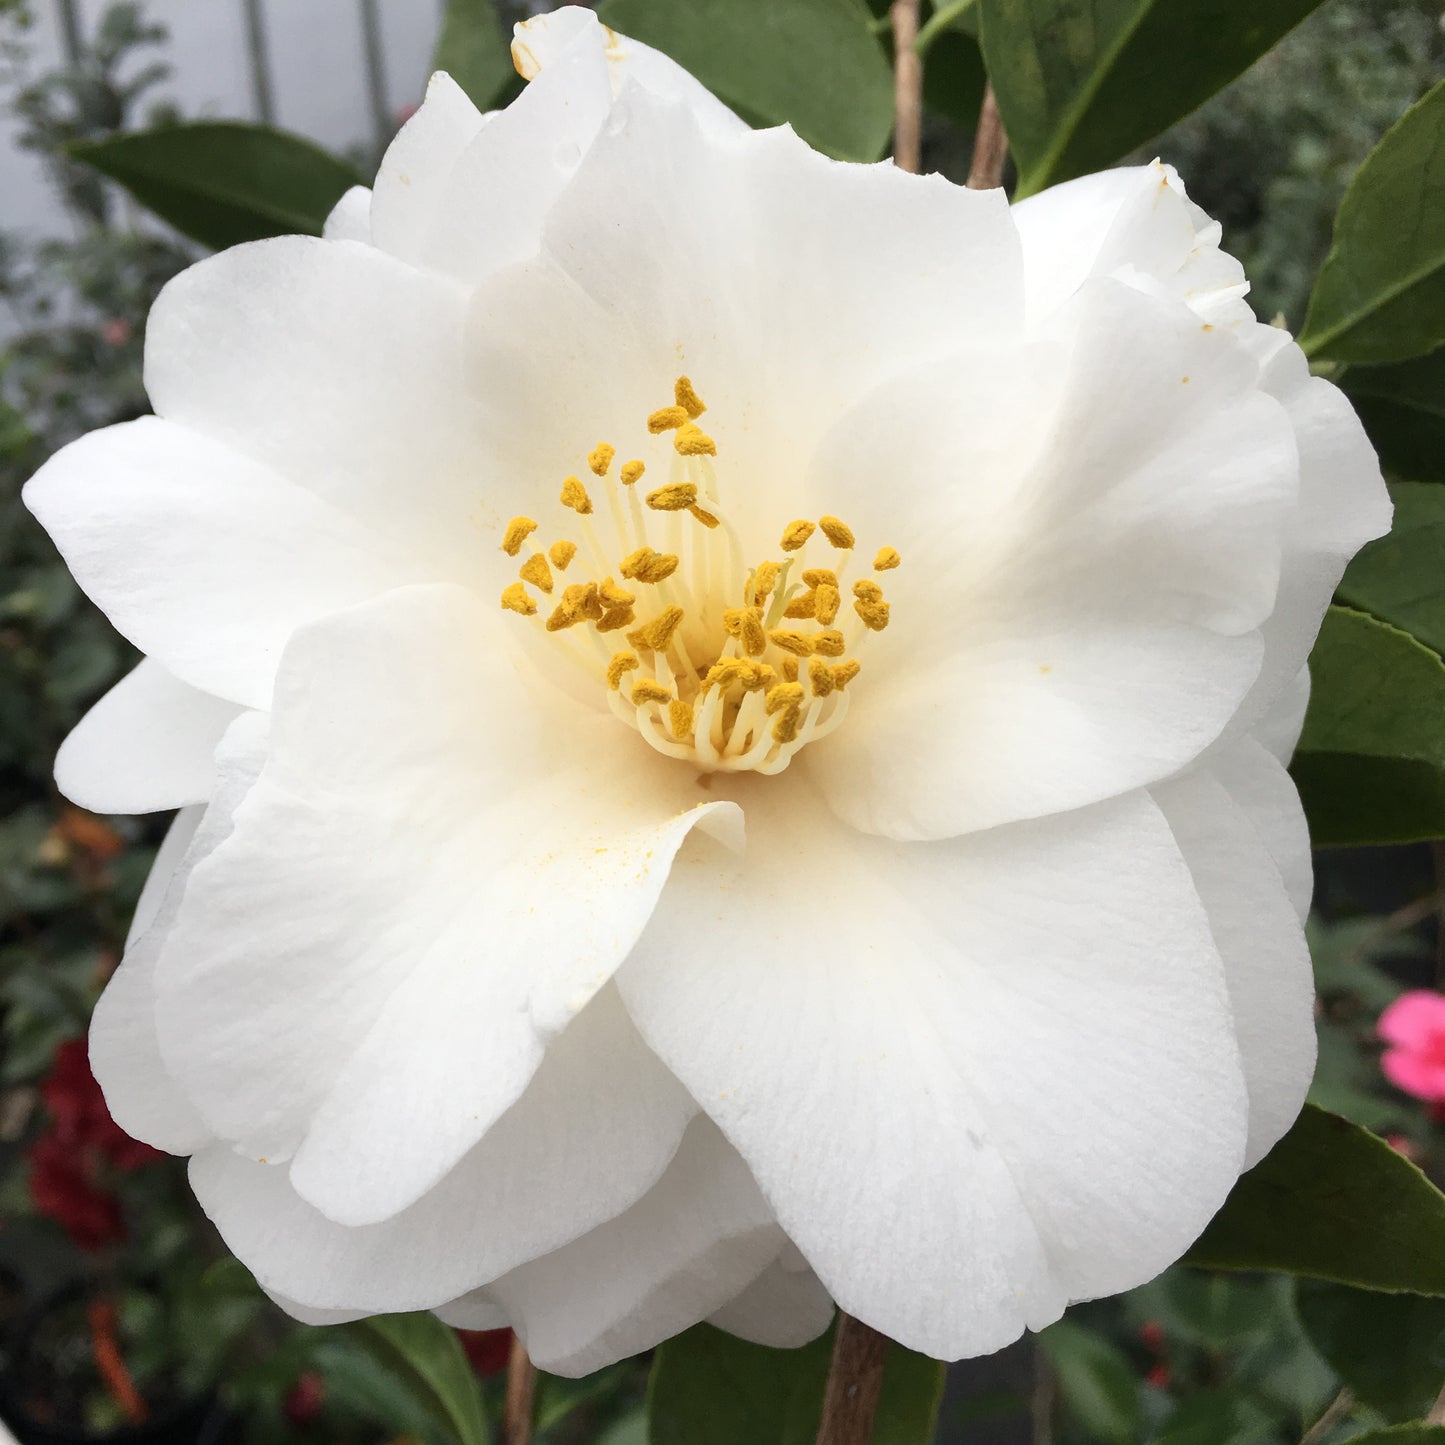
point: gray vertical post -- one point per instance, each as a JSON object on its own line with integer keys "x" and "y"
{"x": 381, "y": 118}
{"x": 259, "y": 56}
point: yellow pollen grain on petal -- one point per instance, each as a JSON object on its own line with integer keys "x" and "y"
{"x": 795, "y": 534}
{"x": 675, "y": 497}
{"x": 820, "y": 676}
{"x": 574, "y": 495}
{"x": 705, "y": 517}
{"x": 600, "y": 458}
{"x": 830, "y": 599}
{"x": 818, "y": 576}
{"x": 805, "y": 604}
{"x": 687, "y": 398}
{"x": 630, "y": 472}
{"x": 679, "y": 718}
{"x": 886, "y": 559}
{"x": 657, "y": 634}
{"x": 536, "y": 571}
{"x": 621, "y": 662}
{"x": 649, "y": 691}
{"x": 562, "y": 554}
{"x": 829, "y": 643}
{"x": 518, "y": 530}
{"x": 785, "y": 694}
{"x": 845, "y": 672}
{"x": 798, "y": 643}
{"x": 515, "y": 599}
{"x": 692, "y": 441}
{"x": 874, "y": 615}
{"x": 837, "y": 532}
{"x": 763, "y": 582}
{"x": 867, "y": 591}
{"x": 645, "y": 565}
{"x": 667, "y": 418}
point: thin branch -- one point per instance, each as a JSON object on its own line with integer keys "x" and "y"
{"x": 1041, "y": 1405}
{"x": 990, "y": 146}
{"x": 855, "y": 1379}
{"x": 521, "y": 1396}
{"x": 1336, "y": 1411}
{"x": 907, "y": 87}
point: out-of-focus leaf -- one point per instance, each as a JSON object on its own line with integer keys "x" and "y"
{"x": 1400, "y": 577}
{"x": 1371, "y": 760}
{"x": 427, "y": 1355}
{"x": 1421, "y": 1434}
{"x": 1096, "y": 1381}
{"x": 1332, "y": 1201}
{"x": 1403, "y": 409}
{"x": 222, "y": 182}
{"x": 953, "y": 78}
{"x": 1380, "y": 295}
{"x": 813, "y": 63}
{"x": 1082, "y": 82}
{"x": 1388, "y": 1348}
{"x": 1217, "y": 1419}
{"x": 475, "y": 50}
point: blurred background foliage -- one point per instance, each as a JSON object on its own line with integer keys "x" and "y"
{"x": 118, "y": 1307}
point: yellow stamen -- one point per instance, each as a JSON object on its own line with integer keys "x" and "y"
{"x": 675, "y": 497}
{"x": 621, "y": 662}
{"x": 562, "y": 554}
{"x": 679, "y": 717}
{"x": 600, "y": 458}
{"x": 692, "y": 441}
{"x": 645, "y": 565}
{"x": 518, "y": 530}
{"x": 746, "y": 624}
{"x": 805, "y": 604}
{"x": 574, "y": 495}
{"x": 613, "y": 596}
{"x": 657, "y": 634}
{"x": 829, "y": 643}
{"x": 874, "y": 615}
{"x": 536, "y": 571}
{"x": 867, "y": 591}
{"x": 763, "y": 582}
{"x": 830, "y": 599}
{"x": 666, "y": 419}
{"x": 845, "y": 672}
{"x": 684, "y": 395}
{"x": 886, "y": 559}
{"x": 706, "y": 518}
{"x": 631, "y": 471}
{"x": 649, "y": 691}
{"x": 820, "y": 576}
{"x": 615, "y": 618}
{"x": 790, "y": 669}
{"x": 838, "y": 533}
{"x": 798, "y": 643}
{"x": 820, "y": 675}
{"x": 579, "y": 603}
{"x": 515, "y": 599}
{"x": 795, "y": 534}
{"x": 785, "y": 694}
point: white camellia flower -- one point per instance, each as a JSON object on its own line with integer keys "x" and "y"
{"x": 854, "y": 863}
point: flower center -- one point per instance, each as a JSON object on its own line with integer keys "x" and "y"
{"x": 733, "y": 666}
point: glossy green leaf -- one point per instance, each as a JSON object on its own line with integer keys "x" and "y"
{"x": 1082, "y": 82}
{"x": 1388, "y": 1348}
{"x": 222, "y": 182}
{"x": 1096, "y": 1381}
{"x": 710, "y": 1388}
{"x": 1400, "y": 578}
{"x": 1380, "y": 295}
{"x": 1371, "y": 761}
{"x": 1332, "y": 1201}
{"x": 1403, "y": 409}
{"x": 427, "y": 1355}
{"x": 474, "y": 48}
{"x": 814, "y": 63}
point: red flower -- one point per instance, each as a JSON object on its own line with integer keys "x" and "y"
{"x": 77, "y": 1107}
{"x": 63, "y": 1188}
{"x": 488, "y": 1350}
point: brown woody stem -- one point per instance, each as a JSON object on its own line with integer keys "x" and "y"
{"x": 907, "y": 87}
{"x": 855, "y": 1379}
{"x": 521, "y": 1396}
{"x": 990, "y": 146}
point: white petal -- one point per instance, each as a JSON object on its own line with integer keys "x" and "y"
{"x": 1261, "y": 940}
{"x": 589, "y": 1136}
{"x": 350, "y": 218}
{"x": 148, "y": 744}
{"x": 476, "y": 1310}
{"x": 205, "y": 560}
{"x": 435, "y": 872}
{"x": 975, "y": 1079}
{"x": 142, "y": 1096}
{"x": 783, "y": 1308}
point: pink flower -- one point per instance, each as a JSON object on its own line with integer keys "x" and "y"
{"x": 1414, "y": 1027}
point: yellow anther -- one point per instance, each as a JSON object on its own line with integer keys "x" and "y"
{"x": 666, "y": 418}
{"x": 866, "y": 591}
{"x": 679, "y": 717}
{"x": 886, "y": 559}
{"x": 705, "y": 517}
{"x": 600, "y": 458}
{"x": 692, "y": 441}
{"x": 687, "y": 398}
{"x": 829, "y": 643}
{"x": 830, "y": 599}
{"x": 613, "y": 596}
{"x": 838, "y": 533}
{"x": 763, "y": 582}
{"x": 562, "y": 554}
{"x": 649, "y": 691}
{"x": 657, "y": 634}
{"x": 798, "y": 643}
{"x": 795, "y": 534}
{"x": 755, "y": 676}
{"x": 845, "y": 672}
{"x": 645, "y": 565}
{"x": 785, "y": 730}
{"x": 805, "y": 604}
{"x": 675, "y": 497}
{"x": 518, "y": 530}
{"x": 790, "y": 669}
{"x": 820, "y": 675}
{"x": 574, "y": 495}
{"x": 723, "y": 674}
{"x": 746, "y": 624}
{"x": 785, "y": 694}
{"x": 515, "y": 599}
{"x": 579, "y": 603}
{"x": 874, "y": 615}
{"x": 536, "y": 571}
{"x": 818, "y": 576}
{"x": 616, "y": 617}
{"x": 621, "y": 662}
{"x": 630, "y": 472}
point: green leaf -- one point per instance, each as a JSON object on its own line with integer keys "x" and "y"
{"x": 1096, "y": 1381}
{"x": 1210, "y": 1418}
{"x": 1332, "y": 1201}
{"x": 1371, "y": 761}
{"x": 1082, "y": 82}
{"x": 221, "y": 182}
{"x": 710, "y": 1388}
{"x": 814, "y": 63}
{"x": 1388, "y": 1348}
{"x": 1380, "y": 295}
{"x": 1400, "y": 578}
{"x": 429, "y": 1357}
{"x": 474, "y": 49}
{"x": 953, "y": 78}
{"x": 1403, "y": 409}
